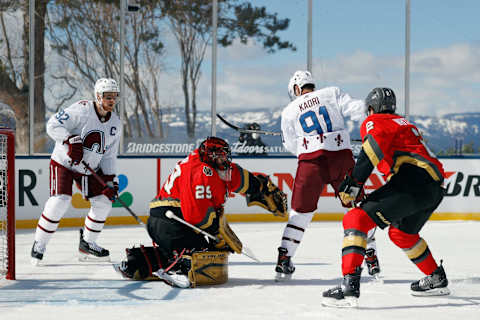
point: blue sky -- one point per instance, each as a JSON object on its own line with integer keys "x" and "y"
{"x": 358, "y": 45}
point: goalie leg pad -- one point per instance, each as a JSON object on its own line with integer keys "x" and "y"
{"x": 209, "y": 268}
{"x": 142, "y": 261}
{"x": 225, "y": 233}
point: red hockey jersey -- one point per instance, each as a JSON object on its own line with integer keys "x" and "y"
{"x": 389, "y": 141}
{"x": 198, "y": 189}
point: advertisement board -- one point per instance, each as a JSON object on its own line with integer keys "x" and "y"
{"x": 140, "y": 179}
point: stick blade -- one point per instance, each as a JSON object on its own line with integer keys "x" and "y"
{"x": 247, "y": 252}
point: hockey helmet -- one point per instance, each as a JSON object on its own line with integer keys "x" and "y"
{"x": 215, "y": 152}
{"x": 381, "y": 100}
{"x": 299, "y": 78}
{"x": 105, "y": 85}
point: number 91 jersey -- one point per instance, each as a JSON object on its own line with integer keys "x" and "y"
{"x": 315, "y": 121}
{"x": 198, "y": 189}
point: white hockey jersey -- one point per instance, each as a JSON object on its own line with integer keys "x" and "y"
{"x": 100, "y": 136}
{"x": 315, "y": 121}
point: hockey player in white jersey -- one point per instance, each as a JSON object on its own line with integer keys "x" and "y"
{"x": 313, "y": 129}
{"x": 87, "y": 131}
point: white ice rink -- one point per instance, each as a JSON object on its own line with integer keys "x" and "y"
{"x": 66, "y": 289}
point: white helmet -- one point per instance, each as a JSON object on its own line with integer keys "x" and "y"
{"x": 299, "y": 78}
{"x": 105, "y": 85}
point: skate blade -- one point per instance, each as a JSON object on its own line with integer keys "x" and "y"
{"x": 116, "y": 267}
{"x": 431, "y": 293}
{"x": 174, "y": 281}
{"x": 35, "y": 262}
{"x": 377, "y": 278}
{"x": 85, "y": 257}
{"x": 280, "y": 277}
{"x": 348, "y": 302}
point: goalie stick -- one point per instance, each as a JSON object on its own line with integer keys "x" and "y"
{"x": 268, "y": 133}
{"x": 100, "y": 180}
{"x": 236, "y": 128}
{"x": 245, "y": 251}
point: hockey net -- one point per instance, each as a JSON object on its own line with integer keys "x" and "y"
{"x": 7, "y": 204}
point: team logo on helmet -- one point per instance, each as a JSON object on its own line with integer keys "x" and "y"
{"x": 381, "y": 100}
{"x": 207, "y": 171}
{"x": 216, "y": 153}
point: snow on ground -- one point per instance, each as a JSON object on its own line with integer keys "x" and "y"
{"x": 63, "y": 288}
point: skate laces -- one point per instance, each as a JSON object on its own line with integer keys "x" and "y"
{"x": 431, "y": 280}
{"x": 94, "y": 246}
{"x": 426, "y": 282}
{"x": 39, "y": 247}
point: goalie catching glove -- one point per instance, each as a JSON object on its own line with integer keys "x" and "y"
{"x": 269, "y": 197}
{"x": 350, "y": 191}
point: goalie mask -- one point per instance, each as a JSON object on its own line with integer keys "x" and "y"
{"x": 216, "y": 152}
{"x": 300, "y": 79}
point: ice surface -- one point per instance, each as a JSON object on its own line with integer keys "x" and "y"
{"x": 63, "y": 288}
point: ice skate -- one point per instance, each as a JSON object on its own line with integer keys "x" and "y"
{"x": 174, "y": 279}
{"x": 284, "y": 268}
{"x": 90, "y": 251}
{"x": 122, "y": 269}
{"x": 177, "y": 276}
{"x": 432, "y": 285}
{"x": 38, "y": 249}
{"x": 346, "y": 295}
{"x": 373, "y": 267}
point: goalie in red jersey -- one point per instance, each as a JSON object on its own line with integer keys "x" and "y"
{"x": 195, "y": 192}
{"x": 404, "y": 204}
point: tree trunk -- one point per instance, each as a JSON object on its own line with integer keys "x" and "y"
{"x": 190, "y": 133}
{"x": 39, "y": 76}
{"x": 194, "y": 107}
{"x": 126, "y": 125}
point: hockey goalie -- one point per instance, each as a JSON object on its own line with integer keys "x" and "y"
{"x": 195, "y": 193}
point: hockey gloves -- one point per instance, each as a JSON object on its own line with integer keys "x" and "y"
{"x": 350, "y": 192}
{"x": 270, "y": 197}
{"x": 75, "y": 149}
{"x": 111, "y": 190}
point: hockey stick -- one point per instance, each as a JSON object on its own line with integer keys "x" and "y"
{"x": 245, "y": 251}
{"x": 271, "y": 133}
{"x": 100, "y": 180}
{"x": 234, "y": 127}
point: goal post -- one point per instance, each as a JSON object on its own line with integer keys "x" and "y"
{"x": 7, "y": 203}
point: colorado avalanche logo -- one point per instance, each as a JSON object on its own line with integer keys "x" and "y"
{"x": 207, "y": 171}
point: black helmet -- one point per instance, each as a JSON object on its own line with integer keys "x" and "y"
{"x": 214, "y": 148}
{"x": 381, "y": 100}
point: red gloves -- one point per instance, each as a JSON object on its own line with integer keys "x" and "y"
{"x": 111, "y": 190}
{"x": 75, "y": 149}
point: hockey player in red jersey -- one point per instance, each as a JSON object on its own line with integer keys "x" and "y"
{"x": 404, "y": 204}
{"x": 195, "y": 192}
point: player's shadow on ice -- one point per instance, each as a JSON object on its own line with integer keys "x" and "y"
{"x": 238, "y": 282}
{"x": 56, "y": 265}
{"x": 85, "y": 291}
{"x": 269, "y": 263}
{"x": 468, "y": 302}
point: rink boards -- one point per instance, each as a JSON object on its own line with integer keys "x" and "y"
{"x": 141, "y": 177}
